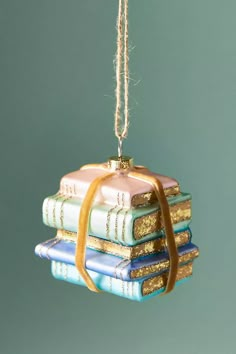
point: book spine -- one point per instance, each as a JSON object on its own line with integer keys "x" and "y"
{"x": 69, "y": 273}
{"x": 112, "y": 224}
{"x": 110, "y": 195}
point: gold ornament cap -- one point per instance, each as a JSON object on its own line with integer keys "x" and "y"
{"x": 120, "y": 163}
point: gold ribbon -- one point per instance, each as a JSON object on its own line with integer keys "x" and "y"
{"x": 84, "y": 218}
{"x": 83, "y": 225}
{"x": 166, "y": 218}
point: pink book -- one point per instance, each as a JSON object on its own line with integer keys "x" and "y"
{"x": 119, "y": 189}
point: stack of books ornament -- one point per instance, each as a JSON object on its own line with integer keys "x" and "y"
{"x": 126, "y": 249}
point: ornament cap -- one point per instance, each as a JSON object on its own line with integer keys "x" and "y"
{"x": 120, "y": 163}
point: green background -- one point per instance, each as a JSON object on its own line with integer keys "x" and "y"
{"x": 57, "y": 103}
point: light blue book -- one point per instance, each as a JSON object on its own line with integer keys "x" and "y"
{"x": 134, "y": 290}
{"x": 127, "y": 226}
{"x": 112, "y": 266}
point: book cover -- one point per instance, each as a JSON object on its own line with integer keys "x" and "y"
{"x": 134, "y": 290}
{"x": 128, "y": 226}
{"x": 116, "y": 267}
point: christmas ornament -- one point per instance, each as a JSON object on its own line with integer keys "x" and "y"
{"x": 120, "y": 227}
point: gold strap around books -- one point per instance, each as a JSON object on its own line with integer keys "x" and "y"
{"x": 84, "y": 217}
{"x": 83, "y": 224}
{"x": 166, "y": 217}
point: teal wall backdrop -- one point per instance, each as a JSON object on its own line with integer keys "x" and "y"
{"x": 57, "y": 104}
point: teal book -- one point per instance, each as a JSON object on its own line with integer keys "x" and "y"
{"x": 138, "y": 290}
{"x": 126, "y": 226}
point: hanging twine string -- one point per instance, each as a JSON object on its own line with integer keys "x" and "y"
{"x": 122, "y": 57}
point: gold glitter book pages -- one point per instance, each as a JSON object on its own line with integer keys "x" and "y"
{"x": 150, "y": 247}
{"x": 150, "y": 198}
{"x": 156, "y": 283}
{"x": 159, "y": 266}
{"x": 151, "y": 223}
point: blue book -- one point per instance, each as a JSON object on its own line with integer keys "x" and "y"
{"x": 110, "y": 265}
{"x": 138, "y": 290}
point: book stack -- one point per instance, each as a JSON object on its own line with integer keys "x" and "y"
{"x": 126, "y": 247}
